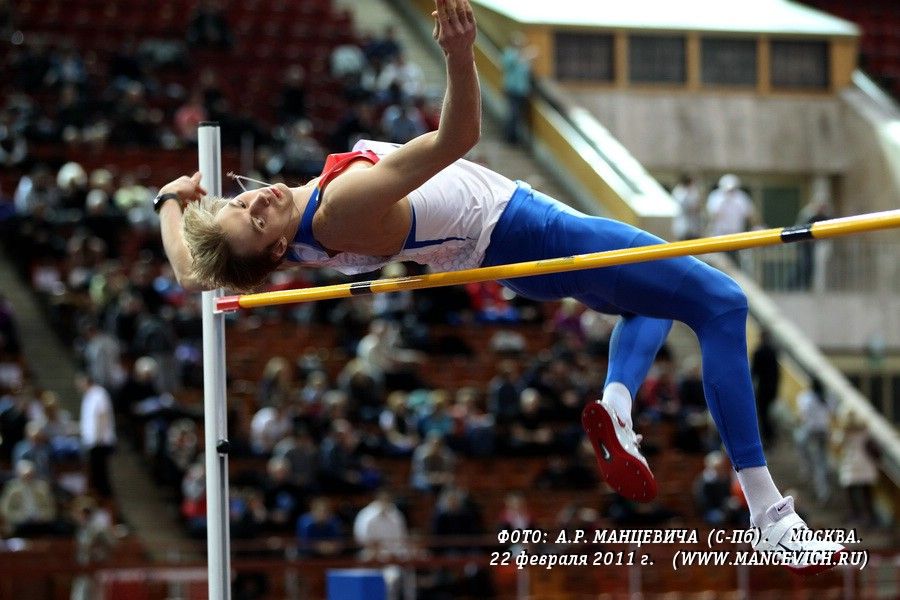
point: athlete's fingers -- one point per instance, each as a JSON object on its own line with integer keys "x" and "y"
{"x": 195, "y": 180}
{"x": 453, "y": 15}
{"x": 441, "y": 6}
{"x": 468, "y": 12}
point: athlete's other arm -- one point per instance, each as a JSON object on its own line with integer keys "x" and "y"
{"x": 188, "y": 189}
{"x": 376, "y": 190}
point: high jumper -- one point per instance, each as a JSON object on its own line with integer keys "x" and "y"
{"x": 422, "y": 202}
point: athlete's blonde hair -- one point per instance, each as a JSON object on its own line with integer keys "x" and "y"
{"x": 214, "y": 262}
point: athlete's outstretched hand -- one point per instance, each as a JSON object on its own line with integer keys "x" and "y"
{"x": 187, "y": 188}
{"x": 454, "y": 26}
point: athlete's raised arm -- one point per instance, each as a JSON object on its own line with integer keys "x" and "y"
{"x": 401, "y": 172}
{"x": 185, "y": 189}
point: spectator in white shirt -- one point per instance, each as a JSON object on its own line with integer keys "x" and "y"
{"x": 812, "y": 433}
{"x": 380, "y": 529}
{"x": 98, "y": 432}
{"x": 730, "y": 210}
{"x": 729, "y": 207}
{"x": 270, "y": 425}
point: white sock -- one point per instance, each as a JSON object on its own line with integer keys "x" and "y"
{"x": 760, "y": 492}
{"x": 618, "y": 396}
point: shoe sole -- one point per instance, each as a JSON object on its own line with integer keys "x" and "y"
{"x": 624, "y": 473}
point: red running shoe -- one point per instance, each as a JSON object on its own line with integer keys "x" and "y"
{"x": 618, "y": 457}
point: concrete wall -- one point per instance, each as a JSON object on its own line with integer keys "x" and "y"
{"x": 724, "y": 132}
{"x": 844, "y": 322}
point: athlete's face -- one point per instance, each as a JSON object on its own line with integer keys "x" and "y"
{"x": 259, "y": 221}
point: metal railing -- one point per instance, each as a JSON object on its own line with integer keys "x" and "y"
{"x": 841, "y": 265}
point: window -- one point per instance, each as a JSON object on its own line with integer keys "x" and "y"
{"x": 800, "y": 64}
{"x": 656, "y": 59}
{"x": 728, "y": 62}
{"x": 584, "y": 57}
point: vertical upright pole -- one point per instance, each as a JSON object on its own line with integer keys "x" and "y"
{"x": 214, "y": 397}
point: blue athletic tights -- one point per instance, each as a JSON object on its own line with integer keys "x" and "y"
{"x": 648, "y": 296}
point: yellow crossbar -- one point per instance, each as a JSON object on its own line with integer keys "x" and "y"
{"x": 723, "y": 243}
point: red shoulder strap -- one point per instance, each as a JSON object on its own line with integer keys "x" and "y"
{"x": 335, "y": 164}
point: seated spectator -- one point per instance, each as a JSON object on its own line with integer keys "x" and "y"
{"x": 504, "y": 391}
{"x": 380, "y": 529}
{"x": 193, "y": 498}
{"x": 381, "y": 350}
{"x": 402, "y": 76}
{"x": 95, "y": 540}
{"x": 357, "y": 122}
{"x": 103, "y": 222}
{"x": 340, "y": 467}
{"x": 282, "y": 497}
{"x": 363, "y": 385}
{"x": 515, "y": 514}
{"x": 455, "y": 517}
{"x": 208, "y": 27}
{"x": 247, "y": 513}
{"x": 712, "y": 491}
{"x": 35, "y": 448}
{"x": 347, "y": 62}
{"x": 690, "y": 387}
{"x": 857, "y": 469}
{"x": 188, "y": 116}
{"x": 552, "y": 379}
{"x": 566, "y": 473}
{"x": 397, "y": 425}
{"x": 597, "y": 329}
{"x": 383, "y": 49}
{"x": 303, "y": 156}
{"x": 27, "y": 505}
{"x": 658, "y": 396}
{"x": 433, "y": 464}
{"x": 489, "y": 303}
{"x": 319, "y": 531}
{"x": 133, "y": 199}
{"x": 13, "y": 419}
{"x": 529, "y": 433}
{"x": 66, "y": 68}
{"x": 473, "y": 429}
{"x": 506, "y": 342}
{"x": 13, "y": 144}
{"x": 72, "y": 181}
{"x": 567, "y": 320}
{"x": 402, "y": 122}
{"x": 276, "y": 386}
{"x": 60, "y": 428}
{"x": 312, "y": 394}
{"x": 300, "y": 450}
{"x": 394, "y": 306}
{"x": 102, "y": 357}
{"x": 270, "y": 425}
{"x": 36, "y": 193}
{"x": 435, "y": 414}
{"x": 182, "y": 448}
{"x": 140, "y": 386}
